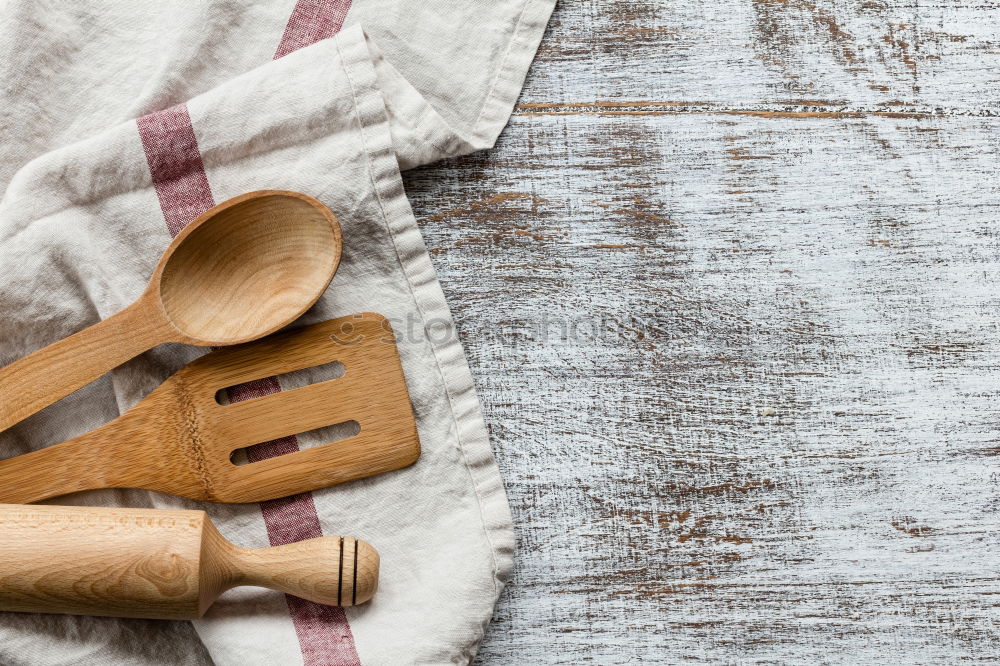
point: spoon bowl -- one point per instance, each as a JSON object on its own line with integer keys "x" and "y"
{"x": 249, "y": 269}
{"x": 240, "y": 271}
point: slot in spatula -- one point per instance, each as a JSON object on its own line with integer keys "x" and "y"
{"x": 180, "y": 440}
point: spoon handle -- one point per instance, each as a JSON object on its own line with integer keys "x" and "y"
{"x": 50, "y": 374}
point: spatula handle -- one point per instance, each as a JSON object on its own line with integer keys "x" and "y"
{"x": 50, "y": 374}
{"x": 97, "y": 459}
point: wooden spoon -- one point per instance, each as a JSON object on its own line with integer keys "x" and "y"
{"x": 239, "y": 272}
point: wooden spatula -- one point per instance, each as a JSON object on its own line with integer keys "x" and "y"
{"x": 180, "y": 440}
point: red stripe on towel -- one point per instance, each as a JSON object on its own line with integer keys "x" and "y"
{"x": 178, "y": 173}
{"x": 175, "y": 164}
{"x": 324, "y": 633}
{"x": 311, "y": 21}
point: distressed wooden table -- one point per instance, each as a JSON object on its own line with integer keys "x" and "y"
{"x": 728, "y": 286}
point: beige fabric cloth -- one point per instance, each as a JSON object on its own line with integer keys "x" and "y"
{"x": 87, "y": 211}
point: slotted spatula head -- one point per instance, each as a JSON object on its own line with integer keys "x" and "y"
{"x": 182, "y": 438}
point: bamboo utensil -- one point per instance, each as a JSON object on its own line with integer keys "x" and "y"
{"x": 240, "y": 271}
{"x": 180, "y": 439}
{"x": 160, "y": 564}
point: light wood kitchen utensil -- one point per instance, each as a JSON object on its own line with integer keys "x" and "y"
{"x": 180, "y": 439}
{"x": 240, "y": 271}
{"x": 160, "y": 564}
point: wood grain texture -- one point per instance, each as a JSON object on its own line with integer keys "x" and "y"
{"x": 144, "y": 563}
{"x": 182, "y": 440}
{"x": 728, "y": 289}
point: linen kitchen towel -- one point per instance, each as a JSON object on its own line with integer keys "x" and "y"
{"x": 121, "y": 122}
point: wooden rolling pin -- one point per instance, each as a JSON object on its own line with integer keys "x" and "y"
{"x": 160, "y": 564}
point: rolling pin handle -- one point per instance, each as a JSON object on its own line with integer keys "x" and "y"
{"x": 334, "y": 571}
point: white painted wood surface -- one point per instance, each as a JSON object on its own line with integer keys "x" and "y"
{"x": 777, "y": 222}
